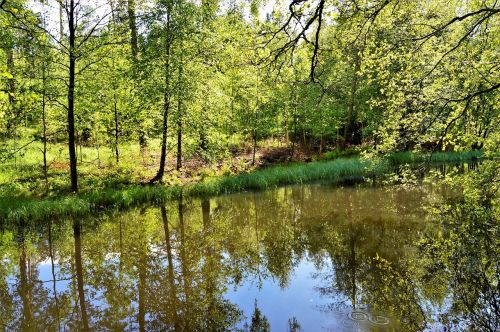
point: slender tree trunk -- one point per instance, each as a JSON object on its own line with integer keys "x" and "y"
{"x": 44, "y": 129}
{"x": 134, "y": 47}
{"x": 115, "y": 87}
{"x": 304, "y": 141}
{"x": 294, "y": 115}
{"x": 98, "y": 148}
{"x": 61, "y": 21}
{"x": 179, "y": 116}
{"x": 254, "y": 132}
{"x": 321, "y": 143}
{"x": 133, "y": 28}
{"x": 11, "y": 89}
{"x": 113, "y": 15}
{"x": 294, "y": 134}
{"x": 254, "y": 139}
{"x": 166, "y": 104}
{"x": 71, "y": 96}
{"x": 117, "y": 154}
{"x": 352, "y": 100}
{"x": 179, "y": 144}
{"x": 287, "y": 136}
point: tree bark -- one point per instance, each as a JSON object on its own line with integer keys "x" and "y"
{"x": 133, "y": 29}
{"x": 134, "y": 47}
{"x": 61, "y": 22}
{"x": 71, "y": 96}
{"x": 166, "y": 104}
{"x": 179, "y": 117}
{"x": 352, "y": 100}
{"x": 254, "y": 139}
{"x": 115, "y": 109}
{"x": 11, "y": 91}
{"x": 44, "y": 128}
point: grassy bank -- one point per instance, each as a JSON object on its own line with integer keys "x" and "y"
{"x": 14, "y": 209}
{"x": 409, "y": 157}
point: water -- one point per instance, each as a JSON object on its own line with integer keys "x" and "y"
{"x": 309, "y": 258}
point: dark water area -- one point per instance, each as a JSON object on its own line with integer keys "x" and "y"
{"x": 301, "y": 258}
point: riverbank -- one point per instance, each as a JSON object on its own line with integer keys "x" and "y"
{"x": 15, "y": 209}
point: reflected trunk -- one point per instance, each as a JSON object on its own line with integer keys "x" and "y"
{"x": 172, "y": 303}
{"x": 184, "y": 267}
{"x": 77, "y": 228}
{"x": 53, "y": 270}
{"x": 209, "y": 266}
{"x": 25, "y": 286}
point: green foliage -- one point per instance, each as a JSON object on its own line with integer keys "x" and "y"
{"x": 229, "y": 85}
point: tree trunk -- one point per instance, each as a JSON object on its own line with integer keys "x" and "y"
{"x": 179, "y": 117}
{"x": 71, "y": 102}
{"x": 166, "y": 104}
{"x": 135, "y": 53}
{"x": 133, "y": 28}
{"x": 11, "y": 91}
{"x": 117, "y": 154}
{"x": 287, "y": 135}
{"x": 44, "y": 130}
{"x": 61, "y": 21}
{"x": 352, "y": 100}
{"x": 113, "y": 15}
{"x": 179, "y": 144}
{"x": 321, "y": 143}
{"x": 254, "y": 138}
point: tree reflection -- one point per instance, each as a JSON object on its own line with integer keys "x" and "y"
{"x": 79, "y": 275}
{"x": 169, "y": 267}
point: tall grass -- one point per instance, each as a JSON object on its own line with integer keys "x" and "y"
{"x": 409, "y": 157}
{"x": 37, "y": 210}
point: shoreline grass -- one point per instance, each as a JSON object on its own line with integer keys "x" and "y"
{"x": 14, "y": 209}
{"x": 410, "y": 157}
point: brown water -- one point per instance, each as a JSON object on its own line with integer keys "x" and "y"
{"x": 316, "y": 256}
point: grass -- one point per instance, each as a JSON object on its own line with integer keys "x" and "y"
{"x": 15, "y": 209}
{"x": 409, "y": 157}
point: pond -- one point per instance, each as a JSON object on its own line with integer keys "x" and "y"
{"x": 312, "y": 257}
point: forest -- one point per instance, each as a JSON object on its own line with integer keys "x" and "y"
{"x": 106, "y": 95}
{"x": 156, "y": 91}
{"x": 249, "y": 165}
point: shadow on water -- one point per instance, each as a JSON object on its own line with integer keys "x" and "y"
{"x": 299, "y": 258}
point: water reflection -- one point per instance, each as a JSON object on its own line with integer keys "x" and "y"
{"x": 301, "y": 258}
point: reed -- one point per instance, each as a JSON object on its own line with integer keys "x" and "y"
{"x": 409, "y": 157}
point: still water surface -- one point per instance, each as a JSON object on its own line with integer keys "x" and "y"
{"x": 300, "y": 258}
